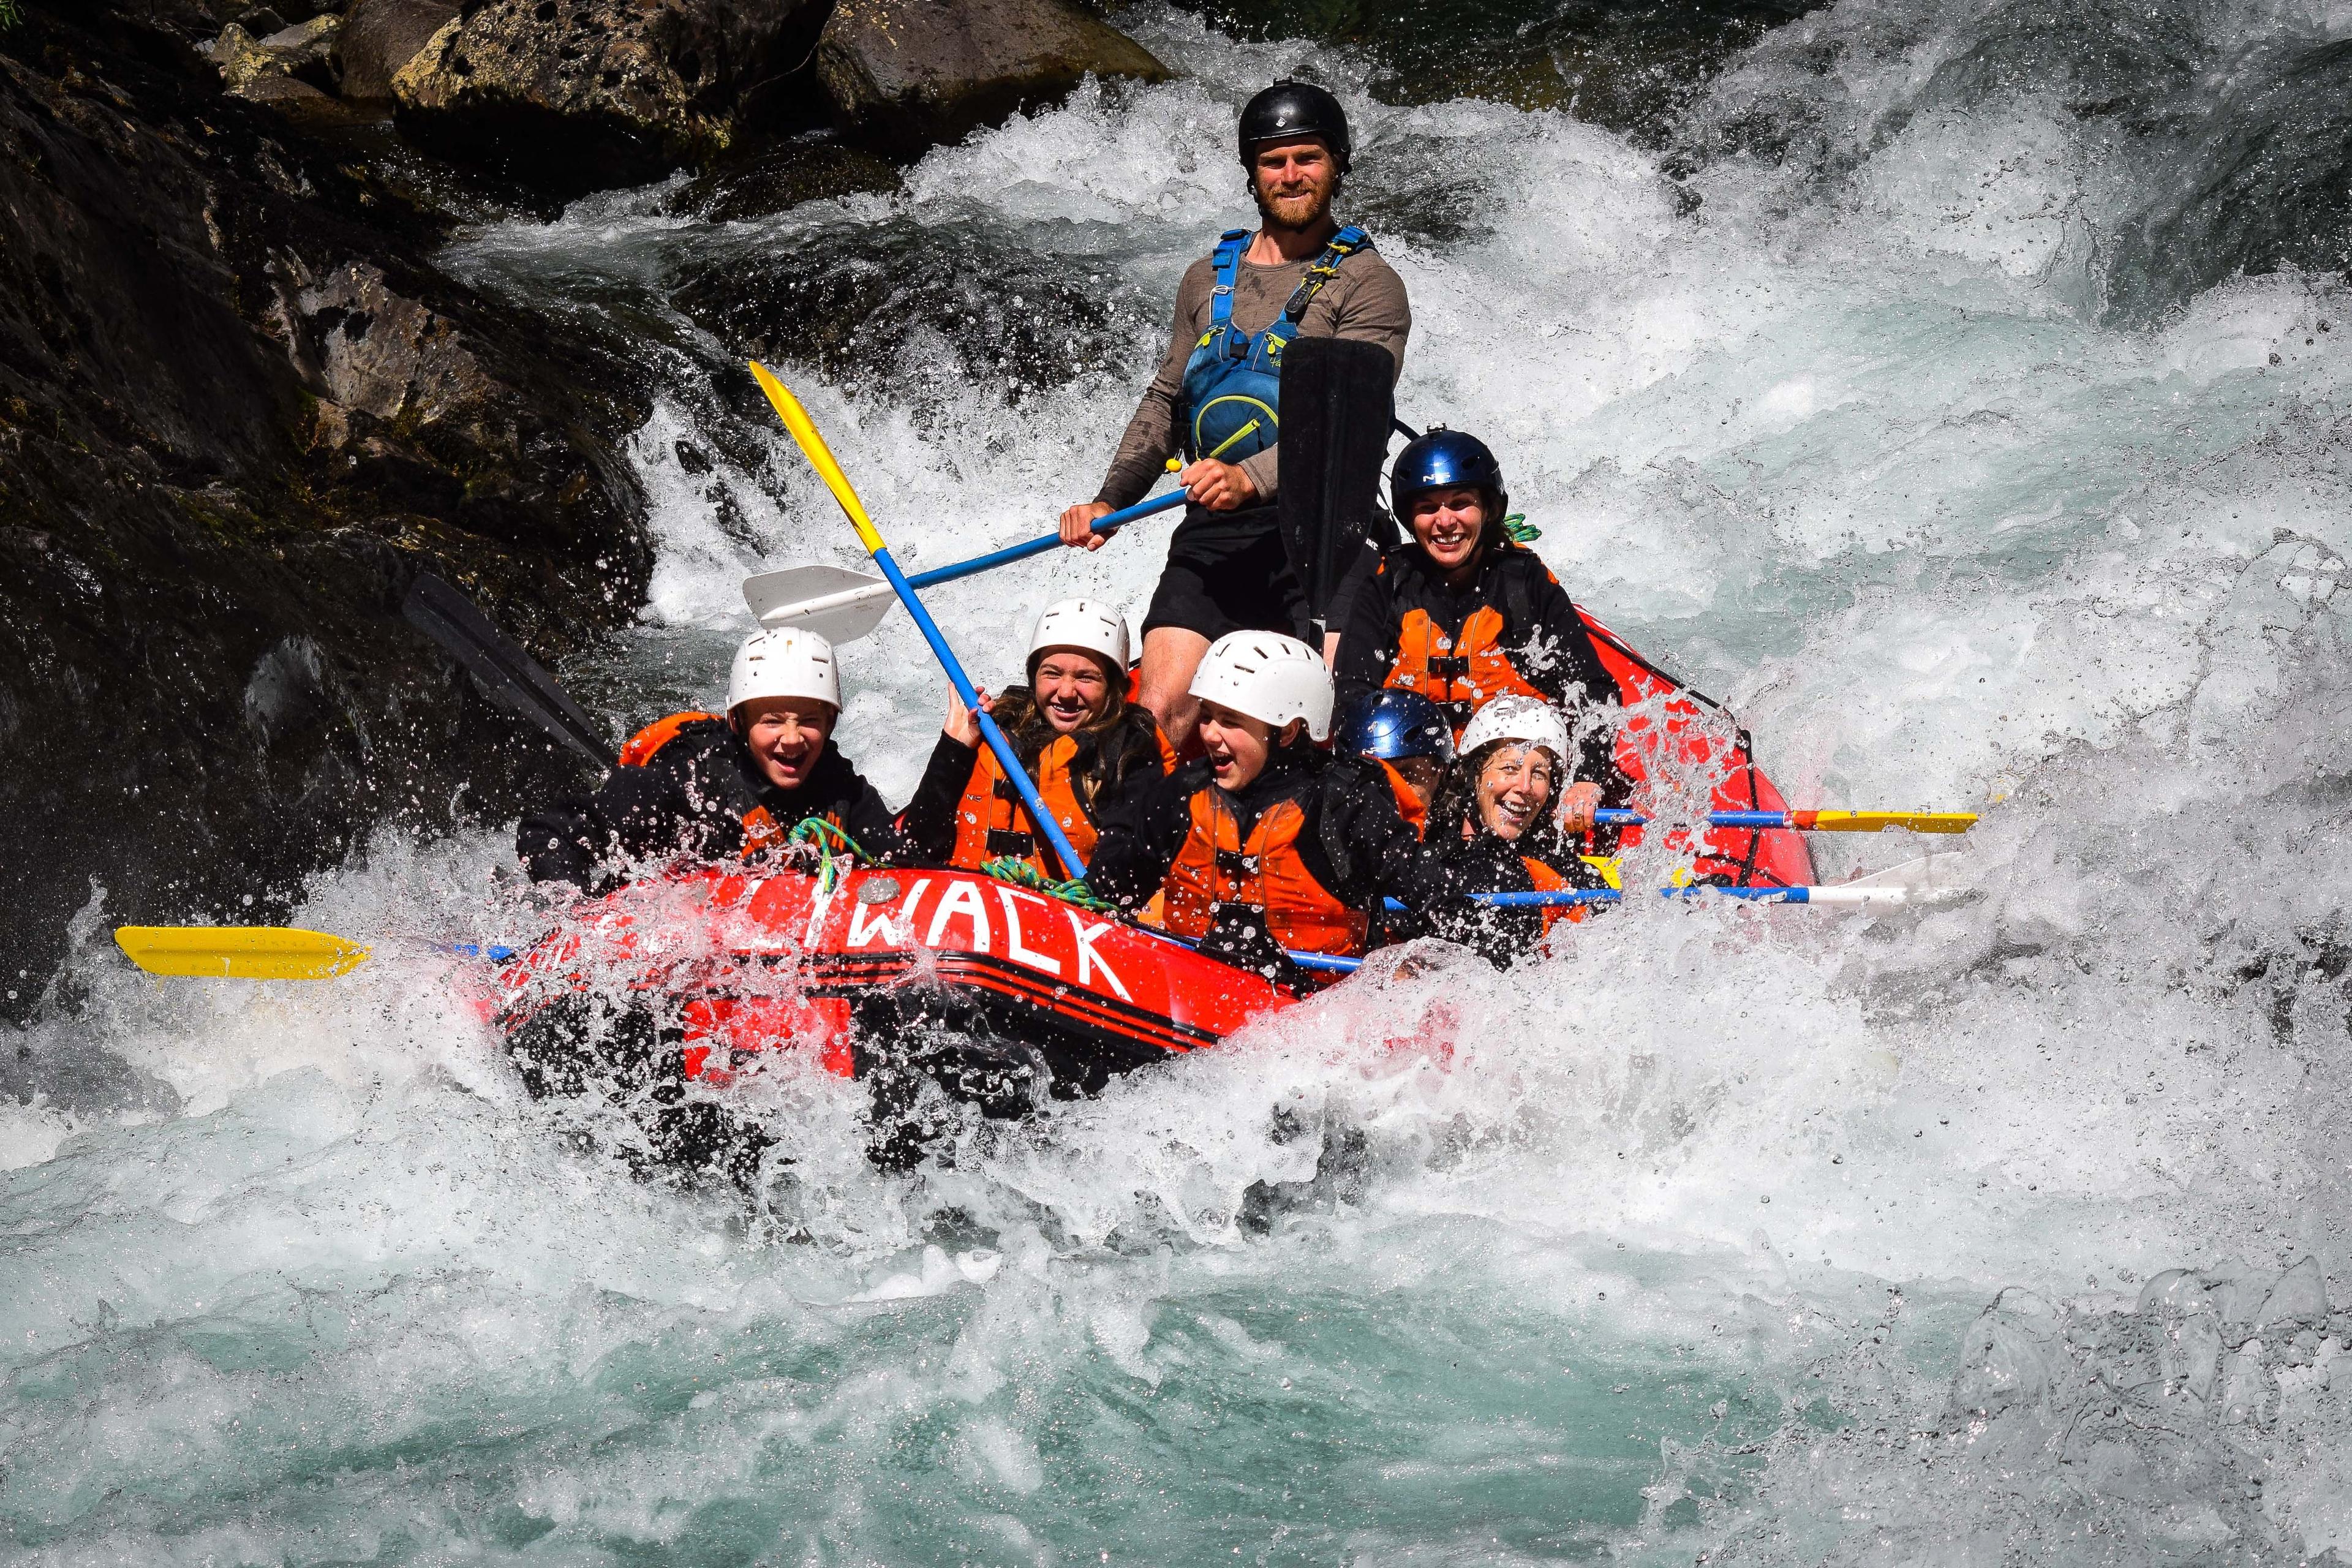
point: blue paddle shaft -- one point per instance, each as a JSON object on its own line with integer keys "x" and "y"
{"x": 1012, "y": 552}
{"x": 1714, "y": 818}
{"x": 1569, "y": 898}
{"x": 1007, "y": 757}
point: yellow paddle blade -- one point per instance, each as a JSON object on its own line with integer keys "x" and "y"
{"x": 1881, "y": 821}
{"x": 239, "y": 952}
{"x": 796, "y": 420}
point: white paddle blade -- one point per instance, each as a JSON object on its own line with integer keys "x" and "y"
{"x": 838, "y": 604}
{"x": 1942, "y": 879}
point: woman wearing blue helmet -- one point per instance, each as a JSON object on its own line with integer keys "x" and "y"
{"x": 1463, "y": 614}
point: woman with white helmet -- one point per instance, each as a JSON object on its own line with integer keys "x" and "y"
{"x": 707, "y": 786}
{"x": 1495, "y": 821}
{"x": 1078, "y": 736}
{"x": 1266, "y": 842}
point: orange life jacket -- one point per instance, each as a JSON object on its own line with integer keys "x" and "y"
{"x": 992, "y": 821}
{"x": 1214, "y": 867}
{"x": 1548, "y": 880}
{"x": 1409, "y": 805}
{"x": 660, "y": 733}
{"x": 1460, "y": 673}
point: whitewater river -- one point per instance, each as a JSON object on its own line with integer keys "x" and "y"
{"x": 1903, "y": 392}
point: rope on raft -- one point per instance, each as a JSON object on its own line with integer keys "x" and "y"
{"x": 1007, "y": 869}
{"x": 833, "y": 846}
{"x": 815, "y": 833}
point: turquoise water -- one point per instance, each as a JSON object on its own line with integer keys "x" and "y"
{"x": 1753, "y": 1236}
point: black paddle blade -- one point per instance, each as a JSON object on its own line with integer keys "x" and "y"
{"x": 509, "y": 677}
{"x": 1338, "y": 406}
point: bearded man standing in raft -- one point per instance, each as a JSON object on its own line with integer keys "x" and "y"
{"x": 1215, "y": 396}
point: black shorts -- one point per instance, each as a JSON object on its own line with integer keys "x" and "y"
{"x": 1228, "y": 571}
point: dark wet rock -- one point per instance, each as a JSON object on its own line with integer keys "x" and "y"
{"x": 803, "y": 170}
{"x": 1628, "y": 65}
{"x": 905, "y": 75}
{"x": 380, "y": 37}
{"x": 576, "y": 95}
{"x": 240, "y": 411}
{"x": 2266, "y": 183}
{"x": 913, "y": 306}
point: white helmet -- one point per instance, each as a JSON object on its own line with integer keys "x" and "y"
{"x": 1271, "y": 677}
{"x": 1083, "y": 624}
{"x": 1527, "y": 720}
{"x": 790, "y": 661}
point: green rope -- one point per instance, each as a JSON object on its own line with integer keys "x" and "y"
{"x": 1007, "y": 869}
{"x": 1521, "y": 531}
{"x": 815, "y": 833}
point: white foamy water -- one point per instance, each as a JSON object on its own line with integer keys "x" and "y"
{"x": 1764, "y": 1235}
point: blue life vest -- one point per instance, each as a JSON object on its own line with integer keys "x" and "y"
{"x": 1232, "y": 383}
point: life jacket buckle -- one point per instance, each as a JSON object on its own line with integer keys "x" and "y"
{"x": 1005, "y": 789}
{"x": 1450, "y": 667}
{"x": 1007, "y": 841}
{"x": 1234, "y": 863}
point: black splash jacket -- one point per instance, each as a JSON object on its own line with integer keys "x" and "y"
{"x": 700, "y": 796}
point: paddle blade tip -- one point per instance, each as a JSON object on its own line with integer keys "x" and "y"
{"x": 239, "y": 952}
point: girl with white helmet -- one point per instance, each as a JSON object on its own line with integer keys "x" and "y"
{"x": 1078, "y": 736}
{"x": 1266, "y": 842}
{"x": 1495, "y": 821}
{"x": 705, "y": 786}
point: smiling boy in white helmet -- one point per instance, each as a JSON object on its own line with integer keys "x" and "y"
{"x": 704, "y": 786}
{"x": 1082, "y": 741}
{"x": 1266, "y": 842}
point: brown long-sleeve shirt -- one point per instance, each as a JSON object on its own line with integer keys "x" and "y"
{"x": 1365, "y": 300}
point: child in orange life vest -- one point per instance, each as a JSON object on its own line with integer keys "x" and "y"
{"x": 1495, "y": 818}
{"x": 1463, "y": 614}
{"x": 704, "y": 786}
{"x": 1081, "y": 740}
{"x": 1264, "y": 843}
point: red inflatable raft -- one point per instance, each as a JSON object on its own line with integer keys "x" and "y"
{"x": 1677, "y": 742}
{"x": 735, "y": 964}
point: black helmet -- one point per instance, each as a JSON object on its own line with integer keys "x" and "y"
{"x": 1442, "y": 459}
{"x": 1289, "y": 109}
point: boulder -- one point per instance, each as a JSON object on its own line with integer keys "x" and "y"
{"x": 574, "y": 95}
{"x": 306, "y": 51}
{"x": 904, "y": 75}
{"x": 379, "y": 36}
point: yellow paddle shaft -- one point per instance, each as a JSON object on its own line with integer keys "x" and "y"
{"x": 239, "y": 952}
{"x": 820, "y": 455}
{"x": 1885, "y": 821}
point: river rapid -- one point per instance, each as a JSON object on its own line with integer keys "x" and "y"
{"x": 1904, "y": 389}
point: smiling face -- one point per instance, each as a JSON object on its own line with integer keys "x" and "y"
{"x": 1294, "y": 181}
{"x": 1448, "y": 522}
{"x": 1237, "y": 744}
{"x": 1072, "y": 688}
{"x": 785, "y": 735}
{"x": 1514, "y": 788}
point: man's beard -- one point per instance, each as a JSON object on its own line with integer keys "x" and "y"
{"x": 1296, "y": 212}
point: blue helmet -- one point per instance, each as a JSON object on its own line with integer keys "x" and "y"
{"x": 1392, "y": 724}
{"x": 1441, "y": 459}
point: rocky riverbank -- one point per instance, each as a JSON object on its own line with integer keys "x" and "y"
{"x": 241, "y": 408}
